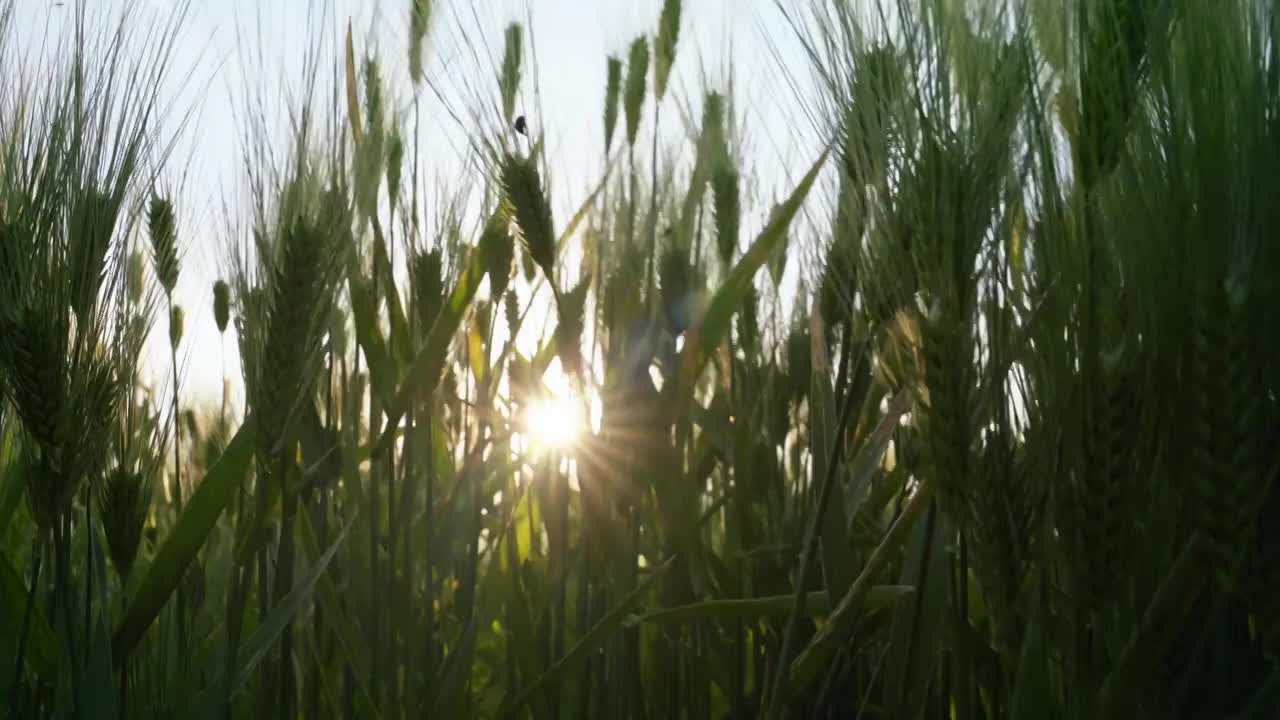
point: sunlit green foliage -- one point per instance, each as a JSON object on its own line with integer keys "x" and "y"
{"x": 1005, "y": 450}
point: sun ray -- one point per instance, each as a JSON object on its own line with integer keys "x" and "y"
{"x": 554, "y": 422}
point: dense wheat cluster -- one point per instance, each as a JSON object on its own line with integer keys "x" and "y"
{"x": 1006, "y": 450}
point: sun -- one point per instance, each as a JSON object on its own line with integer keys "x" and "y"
{"x": 553, "y": 422}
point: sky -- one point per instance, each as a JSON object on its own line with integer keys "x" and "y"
{"x": 224, "y": 43}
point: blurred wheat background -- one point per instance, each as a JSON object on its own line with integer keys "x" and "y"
{"x": 910, "y": 359}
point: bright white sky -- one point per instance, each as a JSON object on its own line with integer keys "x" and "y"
{"x": 571, "y": 39}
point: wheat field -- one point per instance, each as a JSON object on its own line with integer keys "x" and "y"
{"x": 1006, "y": 450}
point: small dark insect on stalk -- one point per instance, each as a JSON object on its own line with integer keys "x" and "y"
{"x": 522, "y": 128}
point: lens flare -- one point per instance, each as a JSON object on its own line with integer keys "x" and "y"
{"x": 554, "y": 422}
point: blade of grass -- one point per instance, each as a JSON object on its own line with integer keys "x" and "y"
{"x": 97, "y": 698}
{"x": 254, "y": 649}
{"x": 364, "y": 312}
{"x": 42, "y": 647}
{"x": 451, "y": 686}
{"x": 818, "y": 603}
{"x": 184, "y": 542}
{"x": 706, "y": 336}
{"x": 347, "y": 645}
{"x": 387, "y": 283}
{"x": 917, "y": 629}
{"x": 13, "y": 482}
{"x": 425, "y": 371}
{"x": 837, "y": 627}
{"x": 608, "y": 625}
{"x": 562, "y": 243}
{"x": 1151, "y": 639}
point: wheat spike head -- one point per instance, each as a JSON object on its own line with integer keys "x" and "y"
{"x": 136, "y": 277}
{"x": 176, "y": 323}
{"x": 1116, "y": 45}
{"x": 221, "y": 305}
{"x": 512, "y": 59}
{"x": 15, "y": 255}
{"x": 675, "y": 284}
{"x": 799, "y": 350}
{"x": 715, "y": 146}
{"x": 124, "y": 500}
{"x": 665, "y": 45}
{"x": 727, "y": 209}
{"x": 427, "y": 286}
{"x": 498, "y": 250}
{"x": 612, "y": 94}
{"x": 511, "y": 311}
{"x": 162, "y": 229}
{"x": 35, "y": 357}
{"x": 419, "y": 25}
{"x": 374, "y": 108}
{"x": 87, "y": 246}
{"x": 298, "y": 314}
{"x": 637, "y": 72}
{"x": 572, "y": 306}
{"x": 395, "y": 166}
{"x": 527, "y": 204}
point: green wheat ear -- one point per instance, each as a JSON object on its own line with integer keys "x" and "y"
{"x": 374, "y": 109}
{"x": 664, "y": 50}
{"x": 371, "y": 153}
{"x": 34, "y": 357}
{"x": 877, "y": 90}
{"x": 512, "y": 57}
{"x": 612, "y": 93}
{"x": 528, "y": 267}
{"x": 136, "y": 332}
{"x": 395, "y": 166}
{"x": 135, "y": 277}
{"x": 175, "y": 326}
{"x": 1116, "y": 45}
{"x": 1228, "y": 490}
{"x": 947, "y": 410}
{"x": 298, "y": 315}
{"x": 519, "y": 375}
{"x": 164, "y": 242}
{"x": 528, "y": 206}
{"x": 572, "y": 309}
{"x": 714, "y": 139}
{"x": 727, "y": 209}
{"x": 498, "y": 250}
{"x": 674, "y": 283}
{"x": 426, "y": 284}
{"x": 840, "y": 271}
{"x": 95, "y": 218}
{"x": 15, "y": 255}
{"x": 799, "y": 349}
{"x": 511, "y": 312}
{"x": 419, "y": 24}
{"x": 337, "y": 325}
{"x": 637, "y": 71}
{"x": 221, "y": 305}
{"x": 1106, "y": 482}
{"x": 124, "y": 501}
